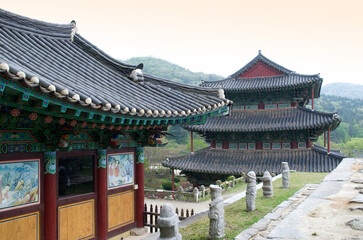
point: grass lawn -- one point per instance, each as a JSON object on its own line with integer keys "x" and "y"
{"x": 236, "y": 217}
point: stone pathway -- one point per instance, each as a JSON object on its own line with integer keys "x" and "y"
{"x": 332, "y": 211}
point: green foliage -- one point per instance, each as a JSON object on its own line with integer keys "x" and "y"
{"x": 351, "y": 147}
{"x": 351, "y": 112}
{"x": 176, "y": 180}
{"x": 230, "y": 178}
{"x": 164, "y": 69}
{"x": 167, "y": 185}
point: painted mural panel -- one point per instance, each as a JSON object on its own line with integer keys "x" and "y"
{"x": 120, "y": 169}
{"x": 19, "y": 183}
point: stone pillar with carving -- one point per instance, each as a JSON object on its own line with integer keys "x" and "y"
{"x": 267, "y": 185}
{"x": 251, "y": 191}
{"x": 196, "y": 194}
{"x": 202, "y": 189}
{"x": 216, "y": 213}
{"x": 285, "y": 175}
{"x": 168, "y": 222}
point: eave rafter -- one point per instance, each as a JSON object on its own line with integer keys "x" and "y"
{"x": 47, "y": 105}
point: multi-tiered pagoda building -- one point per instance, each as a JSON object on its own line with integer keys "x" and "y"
{"x": 269, "y": 124}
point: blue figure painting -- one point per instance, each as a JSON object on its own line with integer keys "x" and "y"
{"x": 19, "y": 183}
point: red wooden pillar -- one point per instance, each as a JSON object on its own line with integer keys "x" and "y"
{"x": 324, "y": 139}
{"x": 309, "y": 143}
{"x": 294, "y": 144}
{"x": 312, "y": 98}
{"x": 213, "y": 144}
{"x": 140, "y": 191}
{"x": 259, "y": 145}
{"x": 328, "y": 139}
{"x": 102, "y": 194}
{"x": 50, "y": 195}
{"x": 191, "y": 142}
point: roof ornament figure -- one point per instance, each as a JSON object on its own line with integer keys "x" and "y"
{"x": 137, "y": 74}
{"x": 221, "y": 92}
{"x": 74, "y": 30}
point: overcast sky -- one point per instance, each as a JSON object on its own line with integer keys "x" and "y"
{"x": 307, "y": 36}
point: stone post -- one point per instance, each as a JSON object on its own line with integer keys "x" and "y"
{"x": 216, "y": 213}
{"x": 267, "y": 185}
{"x": 180, "y": 193}
{"x": 195, "y": 194}
{"x": 285, "y": 175}
{"x": 251, "y": 191}
{"x": 168, "y": 222}
{"x": 202, "y": 189}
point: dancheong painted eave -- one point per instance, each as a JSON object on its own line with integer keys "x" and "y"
{"x": 52, "y": 59}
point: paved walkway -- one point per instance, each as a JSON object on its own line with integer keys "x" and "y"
{"x": 320, "y": 213}
{"x": 314, "y": 212}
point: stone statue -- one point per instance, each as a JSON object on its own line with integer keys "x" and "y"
{"x": 267, "y": 185}
{"x": 168, "y": 223}
{"x": 251, "y": 191}
{"x": 202, "y": 189}
{"x": 196, "y": 194}
{"x": 216, "y": 213}
{"x": 285, "y": 175}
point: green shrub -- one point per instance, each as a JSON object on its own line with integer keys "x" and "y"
{"x": 176, "y": 180}
{"x": 230, "y": 178}
{"x": 167, "y": 185}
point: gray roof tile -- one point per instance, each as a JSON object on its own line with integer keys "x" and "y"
{"x": 50, "y": 53}
{"x": 263, "y": 120}
{"x": 235, "y": 162}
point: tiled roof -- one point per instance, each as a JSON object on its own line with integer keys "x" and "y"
{"x": 55, "y": 60}
{"x": 291, "y": 80}
{"x": 287, "y": 80}
{"x": 263, "y": 120}
{"x": 234, "y": 162}
{"x": 264, "y": 59}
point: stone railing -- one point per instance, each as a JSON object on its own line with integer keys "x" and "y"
{"x": 196, "y": 195}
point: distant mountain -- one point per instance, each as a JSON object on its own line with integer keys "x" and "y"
{"x": 339, "y": 89}
{"x": 164, "y": 69}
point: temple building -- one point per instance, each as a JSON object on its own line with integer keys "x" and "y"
{"x": 269, "y": 124}
{"x": 74, "y": 122}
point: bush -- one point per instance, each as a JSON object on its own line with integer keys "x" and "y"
{"x": 167, "y": 185}
{"x": 230, "y": 178}
{"x": 176, "y": 180}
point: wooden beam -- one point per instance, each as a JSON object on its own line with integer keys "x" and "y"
{"x": 328, "y": 139}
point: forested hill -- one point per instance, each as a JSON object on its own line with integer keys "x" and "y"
{"x": 164, "y": 69}
{"x": 351, "y": 112}
{"x": 348, "y": 90}
{"x": 334, "y": 98}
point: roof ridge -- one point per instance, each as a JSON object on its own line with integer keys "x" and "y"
{"x": 25, "y": 24}
{"x": 261, "y": 57}
{"x": 91, "y": 48}
{"x": 258, "y": 78}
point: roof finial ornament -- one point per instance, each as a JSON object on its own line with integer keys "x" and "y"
{"x": 74, "y": 29}
{"x": 137, "y": 74}
{"x": 259, "y": 52}
{"x": 221, "y": 92}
